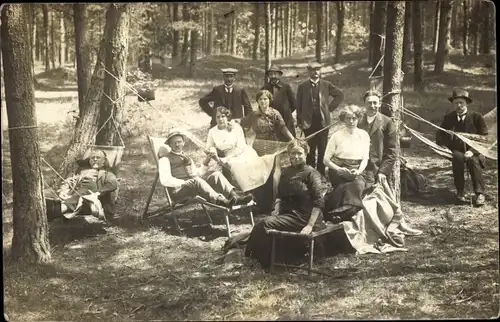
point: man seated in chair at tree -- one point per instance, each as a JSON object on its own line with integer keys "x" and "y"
{"x": 462, "y": 120}
{"x": 89, "y": 192}
{"x": 183, "y": 179}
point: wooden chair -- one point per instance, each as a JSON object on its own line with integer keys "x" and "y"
{"x": 173, "y": 205}
{"x": 275, "y": 233}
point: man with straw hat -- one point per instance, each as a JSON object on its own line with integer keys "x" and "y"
{"x": 233, "y": 97}
{"x": 283, "y": 98}
{"x": 183, "y": 179}
{"x": 465, "y": 121}
{"x": 316, "y": 99}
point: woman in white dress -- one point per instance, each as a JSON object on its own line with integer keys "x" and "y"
{"x": 346, "y": 158}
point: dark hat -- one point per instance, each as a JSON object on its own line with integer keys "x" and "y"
{"x": 175, "y": 133}
{"x": 314, "y": 65}
{"x": 275, "y": 68}
{"x": 229, "y": 70}
{"x": 460, "y": 93}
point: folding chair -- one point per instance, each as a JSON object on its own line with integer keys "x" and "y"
{"x": 155, "y": 144}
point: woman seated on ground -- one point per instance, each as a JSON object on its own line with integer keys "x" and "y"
{"x": 89, "y": 192}
{"x": 298, "y": 208}
{"x": 346, "y": 158}
{"x": 226, "y": 141}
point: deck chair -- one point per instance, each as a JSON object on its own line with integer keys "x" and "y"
{"x": 173, "y": 205}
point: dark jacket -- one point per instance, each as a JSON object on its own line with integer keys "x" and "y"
{"x": 304, "y": 102}
{"x": 382, "y": 132}
{"x": 239, "y": 107}
{"x": 474, "y": 124}
{"x": 284, "y": 102}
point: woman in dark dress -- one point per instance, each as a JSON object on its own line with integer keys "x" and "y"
{"x": 298, "y": 208}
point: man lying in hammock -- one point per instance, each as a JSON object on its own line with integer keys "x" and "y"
{"x": 89, "y": 192}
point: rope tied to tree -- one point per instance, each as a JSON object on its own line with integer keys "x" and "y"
{"x": 23, "y": 127}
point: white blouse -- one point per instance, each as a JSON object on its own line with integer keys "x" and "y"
{"x": 226, "y": 141}
{"x": 344, "y": 145}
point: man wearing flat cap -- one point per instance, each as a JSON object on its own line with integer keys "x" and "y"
{"x": 316, "y": 98}
{"x": 283, "y": 98}
{"x": 463, "y": 120}
{"x": 183, "y": 179}
{"x": 228, "y": 95}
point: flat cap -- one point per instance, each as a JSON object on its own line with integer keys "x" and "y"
{"x": 229, "y": 70}
{"x": 314, "y": 65}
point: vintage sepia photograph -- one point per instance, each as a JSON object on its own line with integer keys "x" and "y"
{"x": 241, "y": 161}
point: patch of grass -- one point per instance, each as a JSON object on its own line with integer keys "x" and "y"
{"x": 146, "y": 272}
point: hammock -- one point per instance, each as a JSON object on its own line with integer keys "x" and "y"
{"x": 486, "y": 145}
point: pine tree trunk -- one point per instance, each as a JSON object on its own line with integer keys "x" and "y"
{"x": 282, "y": 20}
{"x": 62, "y": 40}
{"x": 418, "y": 48}
{"x": 289, "y": 28}
{"x": 276, "y": 34}
{"x": 211, "y": 34}
{"x": 234, "y": 33}
{"x": 407, "y": 36}
{"x": 340, "y": 30}
{"x": 176, "y": 36}
{"x": 82, "y": 52}
{"x": 256, "y": 23}
{"x": 393, "y": 78}
{"x": 52, "y": 40}
{"x": 371, "y": 37}
{"x": 380, "y": 16}
{"x": 30, "y": 241}
{"x": 267, "y": 48}
{"x": 327, "y": 25}
{"x": 485, "y": 32}
{"x": 454, "y": 23}
{"x": 476, "y": 21}
{"x": 319, "y": 27}
{"x": 437, "y": 19}
{"x": 444, "y": 36}
{"x": 46, "y": 35}
{"x": 194, "y": 40}
{"x": 112, "y": 101}
{"x": 306, "y": 36}
{"x": 185, "y": 44}
{"x": 465, "y": 30}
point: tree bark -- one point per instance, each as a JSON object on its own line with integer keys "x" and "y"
{"x": 371, "y": 35}
{"x": 112, "y": 102}
{"x": 306, "y": 36}
{"x": 380, "y": 16}
{"x": 283, "y": 43}
{"x": 418, "y": 48}
{"x": 407, "y": 36}
{"x": 444, "y": 36}
{"x": 62, "y": 40}
{"x": 185, "y": 44}
{"x": 319, "y": 27}
{"x": 454, "y": 23}
{"x": 176, "y": 36}
{"x": 485, "y": 33}
{"x": 393, "y": 78}
{"x": 340, "y": 29}
{"x": 52, "y": 40}
{"x": 30, "y": 241}
{"x": 465, "y": 30}
{"x": 437, "y": 19}
{"x": 276, "y": 34}
{"x": 267, "y": 48}
{"x": 211, "y": 34}
{"x": 234, "y": 32}
{"x": 46, "y": 35}
{"x": 82, "y": 52}
{"x": 194, "y": 40}
{"x": 289, "y": 28}
{"x": 256, "y": 23}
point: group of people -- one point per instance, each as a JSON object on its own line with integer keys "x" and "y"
{"x": 353, "y": 158}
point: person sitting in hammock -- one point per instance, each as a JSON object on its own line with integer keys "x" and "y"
{"x": 89, "y": 192}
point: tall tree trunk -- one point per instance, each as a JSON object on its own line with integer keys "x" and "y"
{"x": 194, "y": 40}
{"x": 267, "y": 48}
{"x": 234, "y": 33}
{"x": 306, "y": 36}
{"x": 407, "y": 36}
{"x": 185, "y": 44}
{"x": 276, "y": 34}
{"x": 327, "y": 25}
{"x": 485, "y": 32}
{"x": 476, "y": 21}
{"x": 418, "y": 48}
{"x": 256, "y": 22}
{"x": 281, "y": 7}
{"x": 340, "y": 30}
{"x": 116, "y": 32}
{"x": 62, "y": 40}
{"x": 30, "y": 13}
{"x": 437, "y": 19}
{"x": 30, "y": 241}
{"x": 52, "y": 40}
{"x": 393, "y": 78}
{"x": 289, "y": 27}
{"x": 211, "y": 34}
{"x": 82, "y": 52}
{"x": 380, "y": 16}
{"x": 46, "y": 35}
{"x": 465, "y": 30}
{"x": 444, "y": 36}
{"x": 319, "y": 26}
{"x": 176, "y": 36}
{"x": 454, "y": 22}
{"x": 371, "y": 36}
{"x": 295, "y": 21}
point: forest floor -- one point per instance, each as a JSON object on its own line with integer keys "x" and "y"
{"x": 133, "y": 271}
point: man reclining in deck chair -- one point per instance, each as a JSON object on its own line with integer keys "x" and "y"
{"x": 89, "y": 192}
{"x": 183, "y": 179}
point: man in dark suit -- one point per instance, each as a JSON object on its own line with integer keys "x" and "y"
{"x": 283, "y": 98}
{"x": 228, "y": 95}
{"x": 463, "y": 120}
{"x": 313, "y": 112}
{"x": 382, "y": 132}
